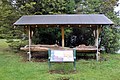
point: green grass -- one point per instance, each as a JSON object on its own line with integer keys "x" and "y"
{"x": 13, "y": 68}
{"x": 3, "y": 44}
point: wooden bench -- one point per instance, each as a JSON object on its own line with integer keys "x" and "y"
{"x": 62, "y": 56}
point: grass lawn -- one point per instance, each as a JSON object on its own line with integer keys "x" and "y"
{"x": 13, "y": 68}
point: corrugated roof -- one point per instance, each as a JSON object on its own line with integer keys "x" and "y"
{"x": 80, "y": 19}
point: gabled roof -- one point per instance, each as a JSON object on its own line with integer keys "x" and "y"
{"x": 80, "y": 19}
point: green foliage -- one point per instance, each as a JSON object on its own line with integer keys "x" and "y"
{"x": 85, "y": 35}
{"x": 44, "y": 36}
{"x": 46, "y": 6}
{"x": 15, "y": 45}
{"x": 110, "y": 39}
{"x": 8, "y": 15}
{"x": 95, "y": 6}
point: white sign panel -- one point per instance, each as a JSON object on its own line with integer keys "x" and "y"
{"x": 62, "y": 56}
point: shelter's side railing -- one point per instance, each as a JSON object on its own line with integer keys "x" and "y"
{"x": 62, "y": 56}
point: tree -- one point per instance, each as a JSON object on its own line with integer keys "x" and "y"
{"x": 106, "y": 7}
{"x": 7, "y": 18}
{"x": 110, "y": 39}
{"x": 109, "y": 35}
{"x": 44, "y": 6}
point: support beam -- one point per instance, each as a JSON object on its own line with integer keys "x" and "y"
{"x": 97, "y": 54}
{"x": 97, "y": 32}
{"x": 62, "y": 30}
{"x": 29, "y": 53}
{"x": 96, "y": 37}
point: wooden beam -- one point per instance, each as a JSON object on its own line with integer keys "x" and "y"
{"x": 98, "y": 30}
{"x": 62, "y": 30}
{"x": 96, "y": 34}
{"x": 96, "y": 37}
{"x": 29, "y": 53}
{"x": 97, "y": 56}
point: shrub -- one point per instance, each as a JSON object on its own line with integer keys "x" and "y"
{"x": 15, "y": 45}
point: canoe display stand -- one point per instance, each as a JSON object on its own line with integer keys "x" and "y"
{"x": 80, "y": 49}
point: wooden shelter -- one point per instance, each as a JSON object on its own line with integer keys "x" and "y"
{"x": 96, "y": 21}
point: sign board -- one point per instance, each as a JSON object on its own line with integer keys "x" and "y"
{"x": 62, "y": 56}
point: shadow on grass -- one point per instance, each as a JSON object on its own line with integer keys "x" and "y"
{"x": 62, "y": 72}
{"x": 62, "y": 68}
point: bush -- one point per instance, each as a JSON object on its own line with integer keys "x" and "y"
{"x": 2, "y": 36}
{"x": 15, "y": 45}
{"x": 110, "y": 39}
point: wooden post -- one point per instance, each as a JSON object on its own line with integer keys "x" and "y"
{"x": 97, "y": 32}
{"x": 96, "y": 37}
{"x": 62, "y": 30}
{"x": 97, "y": 55}
{"x": 29, "y": 53}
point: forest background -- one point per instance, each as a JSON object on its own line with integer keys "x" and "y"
{"x": 11, "y": 10}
